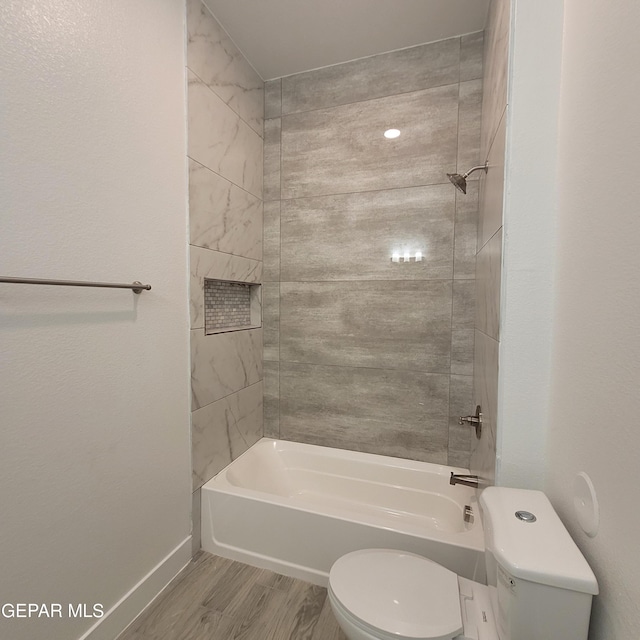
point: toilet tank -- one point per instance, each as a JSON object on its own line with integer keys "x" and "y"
{"x": 541, "y": 585}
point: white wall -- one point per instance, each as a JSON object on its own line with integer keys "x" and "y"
{"x": 528, "y": 242}
{"x": 596, "y": 356}
{"x": 94, "y": 434}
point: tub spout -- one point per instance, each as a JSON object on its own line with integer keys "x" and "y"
{"x": 467, "y": 481}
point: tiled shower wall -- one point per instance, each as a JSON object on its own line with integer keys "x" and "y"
{"x": 489, "y": 258}
{"x": 225, "y": 113}
{"x": 361, "y": 352}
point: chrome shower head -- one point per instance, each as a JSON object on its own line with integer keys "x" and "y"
{"x": 460, "y": 181}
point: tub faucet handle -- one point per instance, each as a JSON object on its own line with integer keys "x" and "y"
{"x": 473, "y": 421}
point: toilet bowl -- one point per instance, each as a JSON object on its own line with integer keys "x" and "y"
{"x": 382, "y": 594}
{"x": 540, "y": 587}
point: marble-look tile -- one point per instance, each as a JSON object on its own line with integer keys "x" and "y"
{"x": 469, "y": 119}
{"x": 223, "y": 430}
{"x": 196, "y": 521}
{"x": 220, "y": 140}
{"x": 385, "y": 411}
{"x": 466, "y": 233}
{"x": 464, "y": 304}
{"x": 271, "y": 241}
{"x": 385, "y": 324}
{"x": 271, "y": 320}
{"x": 353, "y": 236}
{"x": 343, "y": 150}
{"x": 216, "y": 266}
{"x": 462, "y": 351}
{"x": 496, "y": 60}
{"x": 471, "y": 52}
{"x": 492, "y": 188}
{"x": 271, "y": 382}
{"x": 488, "y": 279}
{"x": 423, "y": 67}
{"x": 222, "y": 216}
{"x": 223, "y": 363}
{"x": 272, "y": 129}
{"x": 213, "y": 57}
{"x": 485, "y": 393}
{"x": 273, "y": 98}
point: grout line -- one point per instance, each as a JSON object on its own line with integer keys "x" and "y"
{"x": 382, "y": 97}
{"x": 351, "y": 366}
{"x": 348, "y": 193}
{"x": 204, "y": 166}
{"x": 253, "y": 384}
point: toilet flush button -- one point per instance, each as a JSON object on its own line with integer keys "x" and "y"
{"x": 525, "y": 516}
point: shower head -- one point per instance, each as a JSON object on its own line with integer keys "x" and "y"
{"x": 460, "y": 181}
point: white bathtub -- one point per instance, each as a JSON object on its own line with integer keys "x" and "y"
{"x": 296, "y": 508}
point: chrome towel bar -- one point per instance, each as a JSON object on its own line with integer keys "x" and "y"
{"x": 136, "y": 287}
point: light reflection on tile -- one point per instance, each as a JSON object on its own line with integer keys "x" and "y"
{"x": 342, "y": 149}
{"x": 352, "y": 236}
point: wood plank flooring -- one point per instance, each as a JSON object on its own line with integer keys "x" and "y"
{"x": 218, "y": 599}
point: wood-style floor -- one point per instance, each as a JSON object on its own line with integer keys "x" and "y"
{"x": 218, "y": 599}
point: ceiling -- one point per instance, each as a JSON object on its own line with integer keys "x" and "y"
{"x": 282, "y": 37}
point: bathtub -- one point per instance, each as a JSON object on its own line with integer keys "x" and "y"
{"x": 296, "y": 508}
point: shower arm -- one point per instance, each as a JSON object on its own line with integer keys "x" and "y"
{"x": 484, "y": 166}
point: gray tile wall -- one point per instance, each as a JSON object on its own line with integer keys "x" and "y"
{"x": 361, "y": 352}
{"x": 489, "y": 256}
{"x": 225, "y": 119}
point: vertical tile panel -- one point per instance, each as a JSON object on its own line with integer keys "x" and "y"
{"x": 271, "y": 241}
{"x": 273, "y": 99}
{"x": 496, "y": 59}
{"x": 470, "y": 116}
{"x": 271, "y": 399}
{"x": 492, "y": 187}
{"x": 466, "y": 232}
{"x": 471, "y": 52}
{"x": 485, "y": 393}
{"x": 488, "y": 281}
{"x": 272, "y": 159}
{"x": 271, "y": 320}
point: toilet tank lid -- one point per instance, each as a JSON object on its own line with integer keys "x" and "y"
{"x": 540, "y": 551}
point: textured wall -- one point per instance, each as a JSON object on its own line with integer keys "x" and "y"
{"x": 225, "y": 108}
{"x": 360, "y": 352}
{"x": 489, "y": 246}
{"x": 596, "y": 355}
{"x": 94, "y": 455}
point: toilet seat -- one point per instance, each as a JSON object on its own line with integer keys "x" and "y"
{"x": 399, "y": 595}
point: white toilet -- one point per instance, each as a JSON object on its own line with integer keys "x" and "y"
{"x": 540, "y": 586}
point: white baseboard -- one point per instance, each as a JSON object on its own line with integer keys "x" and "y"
{"x": 129, "y": 607}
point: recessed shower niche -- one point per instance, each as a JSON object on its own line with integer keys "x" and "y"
{"x": 231, "y": 306}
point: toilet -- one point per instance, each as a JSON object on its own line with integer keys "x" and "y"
{"x": 539, "y": 585}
